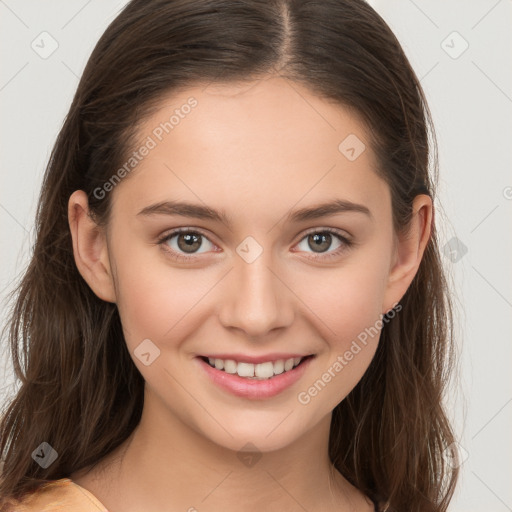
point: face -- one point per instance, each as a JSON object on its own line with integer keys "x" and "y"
{"x": 252, "y": 276}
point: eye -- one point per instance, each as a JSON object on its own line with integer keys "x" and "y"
{"x": 186, "y": 241}
{"x": 321, "y": 240}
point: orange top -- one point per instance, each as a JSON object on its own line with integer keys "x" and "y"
{"x": 61, "y": 495}
{"x": 64, "y": 495}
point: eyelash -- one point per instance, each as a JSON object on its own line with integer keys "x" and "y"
{"x": 347, "y": 244}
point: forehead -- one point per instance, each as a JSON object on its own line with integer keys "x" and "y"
{"x": 254, "y": 145}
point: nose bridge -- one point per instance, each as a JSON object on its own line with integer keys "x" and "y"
{"x": 257, "y": 302}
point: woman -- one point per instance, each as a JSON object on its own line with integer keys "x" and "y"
{"x": 236, "y": 237}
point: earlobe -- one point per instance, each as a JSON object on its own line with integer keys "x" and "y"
{"x": 409, "y": 250}
{"x": 90, "y": 248}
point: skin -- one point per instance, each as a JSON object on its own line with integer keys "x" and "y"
{"x": 259, "y": 152}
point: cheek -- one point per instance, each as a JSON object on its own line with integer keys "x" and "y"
{"x": 345, "y": 300}
{"x": 347, "y": 307}
{"x": 154, "y": 299}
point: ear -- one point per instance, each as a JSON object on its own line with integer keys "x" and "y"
{"x": 90, "y": 247}
{"x": 409, "y": 249}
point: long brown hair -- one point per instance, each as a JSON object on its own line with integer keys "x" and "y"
{"x": 80, "y": 391}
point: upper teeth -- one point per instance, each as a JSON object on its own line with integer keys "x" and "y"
{"x": 257, "y": 371}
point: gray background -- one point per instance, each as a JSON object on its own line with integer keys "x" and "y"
{"x": 470, "y": 95}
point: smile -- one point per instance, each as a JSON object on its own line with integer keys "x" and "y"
{"x": 258, "y": 380}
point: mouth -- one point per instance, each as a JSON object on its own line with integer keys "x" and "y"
{"x": 260, "y": 380}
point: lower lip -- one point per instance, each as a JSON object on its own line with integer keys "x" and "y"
{"x": 253, "y": 388}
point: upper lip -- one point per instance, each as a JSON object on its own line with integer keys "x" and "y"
{"x": 243, "y": 358}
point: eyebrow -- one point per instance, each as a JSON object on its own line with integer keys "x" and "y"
{"x": 198, "y": 211}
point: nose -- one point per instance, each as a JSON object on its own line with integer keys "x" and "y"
{"x": 257, "y": 300}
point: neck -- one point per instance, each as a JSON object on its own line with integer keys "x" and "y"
{"x": 166, "y": 463}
